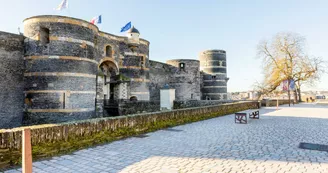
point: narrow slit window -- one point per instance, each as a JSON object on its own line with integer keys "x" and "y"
{"x": 182, "y": 66}
{"x": 108, "y": 51}
{"x": 95, "y": 41}
{"x": 86, "y": 51}
{"x": 142, "y": 61}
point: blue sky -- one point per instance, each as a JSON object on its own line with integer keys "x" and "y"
{"x": 183, "y": 28}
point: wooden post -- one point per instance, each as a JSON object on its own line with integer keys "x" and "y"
{"x": 277, "y": 103}
{"x": 26, "y": 151}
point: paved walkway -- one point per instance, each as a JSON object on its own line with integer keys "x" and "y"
{"x": 269, "y": 144}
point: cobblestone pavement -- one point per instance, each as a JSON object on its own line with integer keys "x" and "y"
{"x": 269, "y": 144}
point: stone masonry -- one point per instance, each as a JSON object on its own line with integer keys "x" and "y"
{"x": 63, "y": 69}
{"x": 218, "y": 145}
{"x": 11, "y": 80}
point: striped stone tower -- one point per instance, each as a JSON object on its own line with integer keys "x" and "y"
{"x": 214, "y": 66}
{"x": 60, "y": 75}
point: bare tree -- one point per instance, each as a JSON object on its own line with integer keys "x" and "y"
{"x": 284, "y": 58}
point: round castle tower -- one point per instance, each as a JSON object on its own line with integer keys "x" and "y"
{"x": 214, "y": 66}
{"x": 186, "y": 79}
{"x": 61, "y": 69}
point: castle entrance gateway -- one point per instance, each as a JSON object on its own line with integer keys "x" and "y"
{"x": 107, "y": 79}
{"x": 106, "y": 85}
{"x": 111, "y": 88}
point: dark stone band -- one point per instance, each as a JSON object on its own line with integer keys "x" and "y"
{"x": 215, "y": 70}
{"x": 214, "y": 90}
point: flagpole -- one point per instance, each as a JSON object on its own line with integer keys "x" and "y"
{"x": 68, "y": 10}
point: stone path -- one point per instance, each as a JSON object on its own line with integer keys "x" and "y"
{"x": 269, "y": 144}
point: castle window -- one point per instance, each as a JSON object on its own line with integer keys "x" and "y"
{"x": 181, "y": 66}
{"x": 44, "y": 36}
{"x": 108, "y": 51}
{"x": 192, "y": 96}
{"x": 28, "y": 99}
{"x": 133, "y": 98}
{"x": 95, "y": 41}
{"x": 142, "y": 62}
{"x": 86, "y": 51}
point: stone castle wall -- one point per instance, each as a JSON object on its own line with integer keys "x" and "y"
{"x": 63, "y": 69}
{"x": 198, "y": 103}
{"x": 186, "y": 81}
{"x": 60, "y": 74}
{"x": 136, "y": 107}
{"x": 11, "y": 80}
{"x": 160, "y": 74}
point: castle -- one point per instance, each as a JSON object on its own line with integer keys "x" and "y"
{"x": 64, "y": 69}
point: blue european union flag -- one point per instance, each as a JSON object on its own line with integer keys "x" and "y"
{"x": 126, "y": 27}
{"x": 99, "y": 19}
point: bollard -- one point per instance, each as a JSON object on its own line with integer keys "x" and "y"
{"x": 26, "y": 151}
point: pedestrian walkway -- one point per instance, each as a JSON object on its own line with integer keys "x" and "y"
{"x": 269, "y": 144}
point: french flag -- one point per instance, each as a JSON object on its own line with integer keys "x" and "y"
{"x": 62, "y": 5}
{"x": 96, "y": 20}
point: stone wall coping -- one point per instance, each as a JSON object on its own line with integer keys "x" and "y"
{"x": 161, "y": 63}
{"x": 11, "y": 34}
{"x": 117, "y": 117}
{"x": 62, "y": 17}
{"x": 95, "y": 27}
{"x": 213, "y": 51}
{"x": 122, "y": 37}
{"x": 183, "y": 60}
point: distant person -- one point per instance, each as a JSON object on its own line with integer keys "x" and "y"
{"x": 307, "y": 100}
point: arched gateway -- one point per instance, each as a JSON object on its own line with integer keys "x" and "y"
{"x": 110, "y": 87}
{"x": 106, "y": 78}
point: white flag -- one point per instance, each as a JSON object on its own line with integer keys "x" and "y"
{"x": 62, "y": 5}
